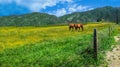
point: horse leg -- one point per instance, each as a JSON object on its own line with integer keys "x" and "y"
{"x": 76, "y": 28}
{"x": 82, "y": 28}
{"x": 72, "y": 28}
{"x": 69, "y": 28}
{"x": 79, "y": 29}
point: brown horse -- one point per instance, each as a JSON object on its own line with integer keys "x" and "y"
{"x": 76, "y": 26}
{"x": 71, "y": 26}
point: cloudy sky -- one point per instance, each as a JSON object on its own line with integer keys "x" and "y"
{"x": 54, "y": 7}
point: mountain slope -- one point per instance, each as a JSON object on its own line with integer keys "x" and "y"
{"x": 42, "y": 19}
{"x": 107, "y": 13}
{"x": 33, "y": 19}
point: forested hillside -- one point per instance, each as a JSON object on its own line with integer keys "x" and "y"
{"x": 105, "y": 13}
{"x": 42, "y": 19}
{"x": 33, "y": 19}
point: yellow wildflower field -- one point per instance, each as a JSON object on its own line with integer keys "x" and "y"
{"x": 17, "y": 36}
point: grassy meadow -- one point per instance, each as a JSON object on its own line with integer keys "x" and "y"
{"x": 16, "y": 36}
{"x": 53, "y": 46}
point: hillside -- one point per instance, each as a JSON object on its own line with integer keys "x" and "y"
{"x": 42, "y": 19}
{"x": 33, "y": 19}
{"x": 106, "y": 13}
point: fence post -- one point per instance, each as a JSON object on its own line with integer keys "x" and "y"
{"x": 109, "y": 31}
{"x": 95, "y": 43}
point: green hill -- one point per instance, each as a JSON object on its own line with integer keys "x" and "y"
{"x": 107, "y": 13}
{"x": 42, "y": 19}
{"x": 33, "y": 19}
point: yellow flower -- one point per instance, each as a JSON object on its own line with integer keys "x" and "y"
{"x": 18, "y": 36}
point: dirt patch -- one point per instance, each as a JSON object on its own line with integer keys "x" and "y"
{"x": 113, "y": 57}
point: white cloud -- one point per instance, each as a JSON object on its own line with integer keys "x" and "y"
{"x": 6, "y": 1}
{"x": 59, "y": 12}
{"x": 70, "y": 9}
{"x": 78, "y": 8}
{"x": 35, "y": 5}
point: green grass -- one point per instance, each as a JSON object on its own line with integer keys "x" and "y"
{"x": 49, "y": 53}
{"x": 75, "y": 50}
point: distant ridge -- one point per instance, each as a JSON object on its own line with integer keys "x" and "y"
{"x": 33, "y": 19}
{"x": 107, "y": 13}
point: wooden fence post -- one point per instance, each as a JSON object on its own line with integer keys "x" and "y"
{"x": 95, "y": 43}
{"x": 109, "y": 31}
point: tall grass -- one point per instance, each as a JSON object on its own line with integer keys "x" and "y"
{"x": 63, "y": 48}
{"x": 49, "y": 53}
{"x": 19, "y": 36}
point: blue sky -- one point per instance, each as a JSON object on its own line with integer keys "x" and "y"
{"x": 54, "y": 7}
